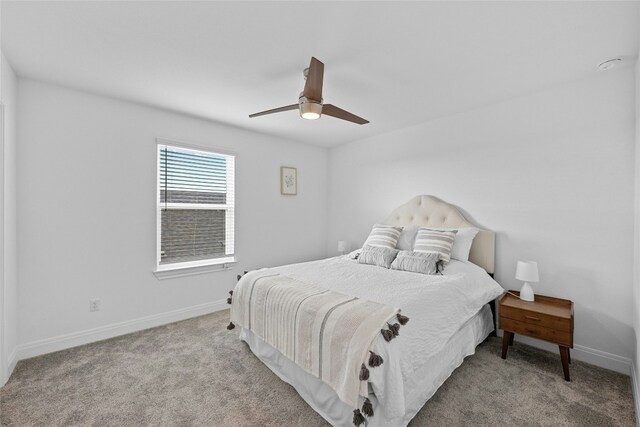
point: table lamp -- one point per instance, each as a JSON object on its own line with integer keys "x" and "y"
{"x": 342, "y": 246}
{"x": 527, "y": 271}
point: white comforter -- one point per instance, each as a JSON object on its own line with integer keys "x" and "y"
{"x": 437, "y": 306}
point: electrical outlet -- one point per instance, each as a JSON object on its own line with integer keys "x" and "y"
{"x": 94, "y": 304}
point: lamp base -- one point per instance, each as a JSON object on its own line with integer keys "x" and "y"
{"x": 526, "y": 293}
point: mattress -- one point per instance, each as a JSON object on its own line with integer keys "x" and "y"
{"x": 438, "y": 367}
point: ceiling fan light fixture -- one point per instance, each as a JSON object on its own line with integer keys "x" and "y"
{"x": 310, "y": 115}
{"x": 310, "y": 110}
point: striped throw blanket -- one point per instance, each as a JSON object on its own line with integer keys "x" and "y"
{"x": 326, "y": 333}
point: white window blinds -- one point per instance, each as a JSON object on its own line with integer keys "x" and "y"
{"x": 195, "y": 206}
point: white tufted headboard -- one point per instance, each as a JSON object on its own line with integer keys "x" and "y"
{"x": 429, "y": 211}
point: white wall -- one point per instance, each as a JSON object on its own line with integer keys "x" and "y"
{"x": 86, "y": 203}
{"x": 551, "y": 173}
{"x": 8, "y": 96}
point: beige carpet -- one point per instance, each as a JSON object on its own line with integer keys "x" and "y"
{"x": 196, "y": 373}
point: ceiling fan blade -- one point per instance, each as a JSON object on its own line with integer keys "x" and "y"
{"x": 275, "y": 110}
{"x": 313, "y": 86}
{"x": 339, "y": 113}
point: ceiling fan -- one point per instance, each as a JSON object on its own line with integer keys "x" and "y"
{"x": 310, "y": 100}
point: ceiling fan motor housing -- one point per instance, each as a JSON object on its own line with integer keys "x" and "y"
{"x": 309, "y": 108}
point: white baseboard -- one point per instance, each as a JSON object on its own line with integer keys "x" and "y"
{"x": 636, "y": 391}
{"x": 12, "y": 360}
{"x": 62, "y": 342}
{"x": 599, "y": 358}
{"x": 602, "y": 358}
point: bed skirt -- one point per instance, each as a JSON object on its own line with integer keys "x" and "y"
{"x": 433, "y": 374}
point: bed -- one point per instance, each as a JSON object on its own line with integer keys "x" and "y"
{"x": 450, "y": 315}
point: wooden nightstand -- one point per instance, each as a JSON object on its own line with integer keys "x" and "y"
{"x": 546, "y": 318}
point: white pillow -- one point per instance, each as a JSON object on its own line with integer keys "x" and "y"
{"x": 406, "y": 239}
{"x": 462, "y": 243}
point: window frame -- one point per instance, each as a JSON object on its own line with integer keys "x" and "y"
{"x": 186, "y": 268}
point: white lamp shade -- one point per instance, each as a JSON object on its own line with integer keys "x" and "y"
{"x": 527, "y": 271}
{"x": 342, "y": 245}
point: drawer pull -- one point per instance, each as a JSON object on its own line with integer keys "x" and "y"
{"x": 532, "y": 318}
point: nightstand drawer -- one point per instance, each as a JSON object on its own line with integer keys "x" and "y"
{"x": 535, "y": 331}
{"x": 537, "y": 319}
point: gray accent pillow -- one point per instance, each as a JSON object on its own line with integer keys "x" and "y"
{"x": 373, "y": 255}
{"x": 417, "y": 262}
{"x": 383, "y": 236}
{"x": 432, "y": 241}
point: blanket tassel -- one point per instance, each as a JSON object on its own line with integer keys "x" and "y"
{"x": 367, "y": 408}
{"x": 375, "y": 360}
{"x": 229, "y": 300}
{"x": 231, "y": 326}
{"x": 395, "y": 328}
{"x": 364, "y": 373}
{"x": 387, "y": 334}
{"x": 239, "y": 277}
{"x": 231, "y": 293}
{"x": 358, "y": 418}
{"x": 402, "y": 319}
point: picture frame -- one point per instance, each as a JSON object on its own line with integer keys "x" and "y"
{"x": 288, "y": 181}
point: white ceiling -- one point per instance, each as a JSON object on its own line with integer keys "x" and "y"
{"x": 396, "y": 64}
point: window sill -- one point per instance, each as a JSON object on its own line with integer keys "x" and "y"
{"x": 173, "y": 271}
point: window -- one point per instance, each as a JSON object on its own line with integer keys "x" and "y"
{"x": 195, "y": 208}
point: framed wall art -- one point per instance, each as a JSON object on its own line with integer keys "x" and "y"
{"x": 288, "y": 181}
